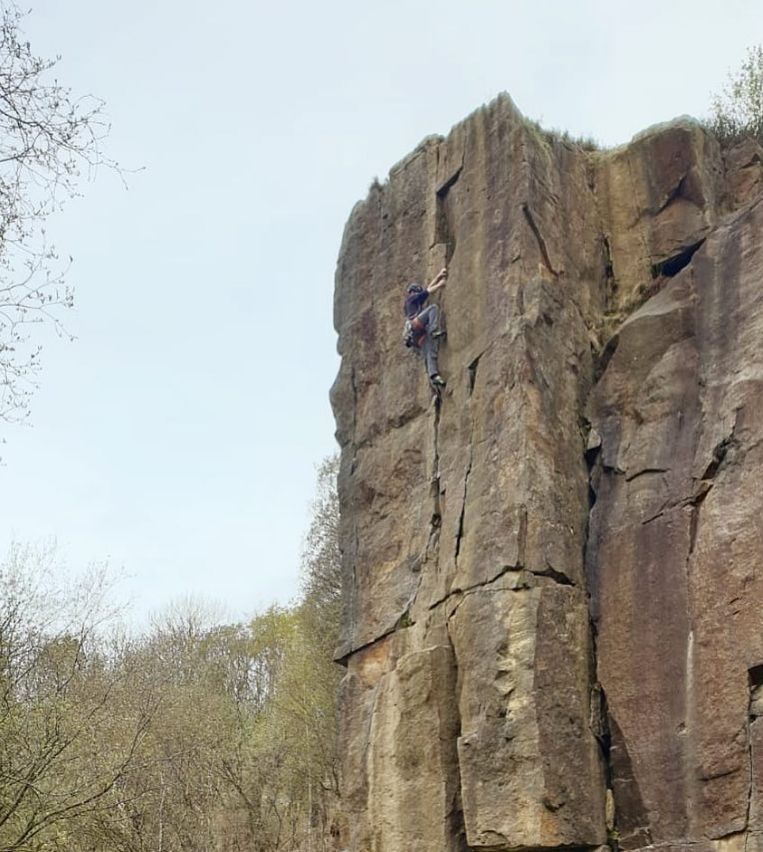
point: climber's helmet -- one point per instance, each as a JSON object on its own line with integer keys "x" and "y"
{"x": 413, "y": 288}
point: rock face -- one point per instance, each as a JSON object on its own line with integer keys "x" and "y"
{"x": 554, "y": 577}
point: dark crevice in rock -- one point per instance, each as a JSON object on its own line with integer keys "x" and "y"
{"x": 633, "y": 823}
{"x": 460, "y": 533}
{"x": 405, "y": 620}
{"x": 349, "y": 604}
{"x": 472, "y": 373}
{"x": 553, "y": 574}
{"x": 694, "y": 523}
{"x": 601, "y": 731}
{"x": 704, "y": 485}
{"x": 455, "y": 815}
{"x": 522, "y": 537}
{"x": 720, "y": 452}
{"x": 754, "y": 712}
{"x": 593, "y": 444}
{"x": 610, "y": 282}
{"x": 524, "y": 583}
{"x": 503, "y": 847}
{"x": 673, "y": 195}
{"x": 609, "y": 273}
{"x": 673, "y": 265}
{"x": 433, "y": 542}
{"x": 592, "y": 457}
{"x": 600, "y": 719}
{"x": 724, "y": 773}
{"x": 348, "y": 651}
{"x": 600, "y": 363}
{"x": 647, "y": 471}
{"x": 755, "y": 675}
{"x": 539, "y": 238}
{"x": 485, "y": 586}
{"x": 444, "y": 232}
{"x": 444, "y": 188}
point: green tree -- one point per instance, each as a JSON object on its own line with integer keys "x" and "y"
{"x": 63, "y": 749}
{"x": 197, "y": 736}
{"x": 737, "y": 111}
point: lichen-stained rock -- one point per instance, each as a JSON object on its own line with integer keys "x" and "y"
{"x": 440, "y": 500}
{"x": 601, "y": 435}
{"x": 677, "y": 544}
{"x": 744, "y": 173}
{"x": 413, "y": 790}
{"x": 401, "y": 778}
{"x": 659, "y": 196}
{"x": 530, "y": 770}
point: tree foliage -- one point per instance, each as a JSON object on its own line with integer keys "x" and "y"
{"x": 58, "y": 693}
{"x": 737, "y": 111}
{"x": 197, "y": 736}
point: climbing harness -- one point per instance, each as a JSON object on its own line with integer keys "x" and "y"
{"x": 414, "y": 332}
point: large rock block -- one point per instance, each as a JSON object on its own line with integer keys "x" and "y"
{"x": 530, "y": 768}
{"x": 599, "y": 438}
{"x": 676, "y": 546}
{"x": 659, "y": 197}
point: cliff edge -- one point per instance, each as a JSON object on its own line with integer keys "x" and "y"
{"x": 553, "y": 624}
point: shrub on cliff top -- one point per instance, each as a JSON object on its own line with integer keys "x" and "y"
{"x": 737, "y": 111}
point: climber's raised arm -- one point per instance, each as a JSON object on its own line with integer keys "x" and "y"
{"x": 438, "y": 281}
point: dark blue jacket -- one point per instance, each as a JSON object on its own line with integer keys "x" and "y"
{"x": 414, "y": 302}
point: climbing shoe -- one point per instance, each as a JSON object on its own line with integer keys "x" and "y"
{"x": 437, "y": 380}
{"x": 436, "y": 335}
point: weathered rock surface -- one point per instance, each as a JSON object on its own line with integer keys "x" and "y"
{"x": 552, "y": 579}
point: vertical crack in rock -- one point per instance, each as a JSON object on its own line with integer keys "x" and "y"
{"x": 456, "y": 812}
{"x": 610, "y": 282}
{"x": 472, "y": 373}
{"x": 354, "y": 387}
{"x": 444, "y": 232}
{"x": 434, "y": 526}
{"x": 539, "y": 238}
{"x": 754, "y": 712}
{"x": 599, "y": 709}
{"x": 605, "y": 356}
{"x": 600, "y": 726}
{"x": 460, "y": 533}
{"x": 522, "y": 538}
{"x": 472, "y": 377}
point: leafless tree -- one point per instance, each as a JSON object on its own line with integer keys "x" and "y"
{"x": 49, "y": 140}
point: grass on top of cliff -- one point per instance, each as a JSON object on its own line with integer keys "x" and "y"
{"x": 586, "y": 143}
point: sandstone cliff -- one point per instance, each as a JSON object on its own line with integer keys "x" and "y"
{"x": 553, "y": 580}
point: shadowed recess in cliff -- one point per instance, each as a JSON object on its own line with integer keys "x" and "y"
{"x": 444, "y": 233}
{"x": 673, "y": 265}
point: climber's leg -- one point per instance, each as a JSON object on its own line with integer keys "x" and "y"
{"x": 430, "y": 319}
{"x": 429, "y": 353}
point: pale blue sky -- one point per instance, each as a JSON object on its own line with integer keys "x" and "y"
{"x": 178, "y": 436}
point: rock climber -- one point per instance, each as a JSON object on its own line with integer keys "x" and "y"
{"x": 422, "y": 324}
